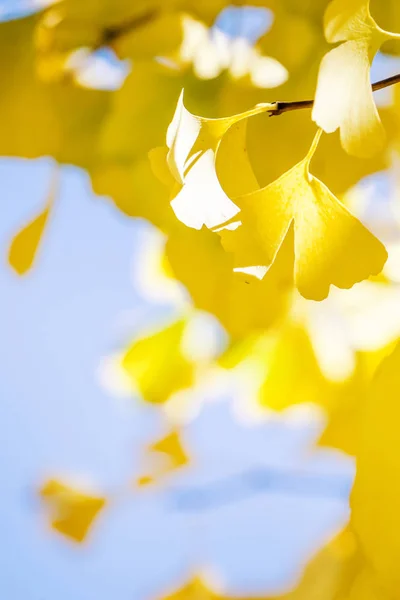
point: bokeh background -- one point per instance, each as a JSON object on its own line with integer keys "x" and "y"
{"x": 258, "y": 498}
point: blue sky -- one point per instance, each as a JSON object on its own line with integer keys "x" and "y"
{"x": 78, "y": 305}
{"x": 56, "y": 419}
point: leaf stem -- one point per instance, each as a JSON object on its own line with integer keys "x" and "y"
{"x": 278, "y": 108}
{"x": 312, "y": 149}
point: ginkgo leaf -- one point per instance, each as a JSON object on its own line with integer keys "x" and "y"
{"x": 292, "y": 373}
{"x": 61, "y": 121}
{"x": 25, "y": 244}
{"x": 135, "y": 190}
{"x": 157, "y": 365}
{"x": 330, "y": 245}
{"x": 233, "y": 166}
{"x": 193, "y": 142}
{"x": 171, "y": 446}
{"x": 198, "y": 260}
{"x": 159, "y": 165}
{"x": 174, "y": 453}
{"x": 241, "y": 302}
{"x": 253, "y": 305}
{"x": 344, "y": 96}
{"x": 201, "y": 200}
{"x": 376, "y": 494}
{"x": 72, "y": 510}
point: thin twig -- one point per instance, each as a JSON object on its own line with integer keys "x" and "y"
{"x": 278, "y": 108}
{"x": 112, "y": 33}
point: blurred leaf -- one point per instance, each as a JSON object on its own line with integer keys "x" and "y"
{"x": 347, "y": 68}
{"x": 59, "y": 120}
{"x": 25, "y": 244}
{"x": 157, "y": 365}
{"x": 376, "y": 492}
{"x": 241, "y": 302}
{"x": 176, "y": 457}
{"x": 345, "y": 403}
{"x": 72, "y": 511}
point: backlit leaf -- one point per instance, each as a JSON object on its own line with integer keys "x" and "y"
{"x": 330, "y": 245}
{"x": 25, "y": 244}
{"x": 193, "y": 142}
{"x": 344, "y": 97}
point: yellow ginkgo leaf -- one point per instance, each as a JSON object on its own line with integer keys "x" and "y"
{"x": 157, "y": 365}
{"x": 171, "y": 446}
{"x": 201, "y": 200}
{"x": 344, "y": 97}
{"x": 330, "y": 245}
{"x": 24, "y": 246}
{"x": 198, "y": 260}
{"x": 233, "y": 166}
{"x": 240, "y": 301}
{"x": 292, "y": 373}
{"x": 376, "y": 494}
{"x": 72, "y": 511}
{"x": 193, "y": 142}
{"x": 174, "y": 453}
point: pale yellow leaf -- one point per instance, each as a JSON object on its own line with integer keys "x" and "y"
{"x": 173, "y": 452}
{"x": 344, "y": 99}
{"x": 25, "y": 244}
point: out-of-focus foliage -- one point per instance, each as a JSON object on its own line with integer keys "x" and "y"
{"x": 157, "y": 364}
{"x": 259, "y": 224}
{"x": 72, "y": 510}
{"x": 172, "y": 451}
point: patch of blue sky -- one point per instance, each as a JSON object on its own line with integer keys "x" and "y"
{"x": 14, "y": 9}
{"x": 249, "y": 22}
{"x": 384, "y": 66}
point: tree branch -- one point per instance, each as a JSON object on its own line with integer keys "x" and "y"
{"x": 278, "y": 108}
{"x": 112, "y": 33}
